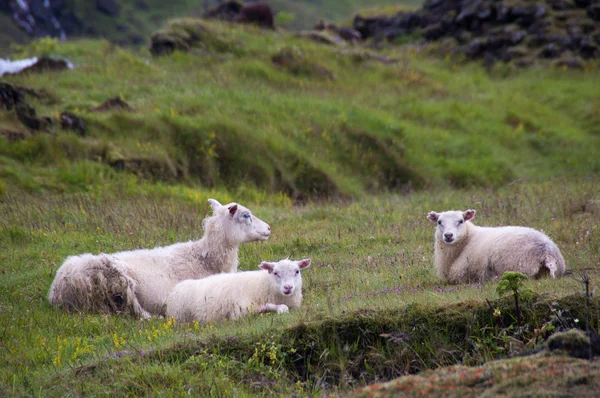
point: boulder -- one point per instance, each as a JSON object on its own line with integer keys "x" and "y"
{"x": 69, "y": 121}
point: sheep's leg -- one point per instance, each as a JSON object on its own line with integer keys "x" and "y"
{"x": 281, "y": 308}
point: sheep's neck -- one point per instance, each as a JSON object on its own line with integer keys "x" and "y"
{"x": 214, "y": 260}
{"x": 449, "y": 253}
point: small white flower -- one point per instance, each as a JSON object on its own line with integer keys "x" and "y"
{"x": 576, "y": 320}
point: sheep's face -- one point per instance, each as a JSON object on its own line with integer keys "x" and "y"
{"x": 285, "y": 274}
{"x": 450, "y": 224}
{"x": 241, "y": 225}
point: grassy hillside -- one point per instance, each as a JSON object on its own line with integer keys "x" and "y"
{"x": 138, "y": 19}
{"x": 287, "y": 127}
{"x": 275, "y": 113}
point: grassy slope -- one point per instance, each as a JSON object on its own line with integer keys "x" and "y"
{"x": 458, "y": 125}
{"x": 370, "y": 127}
{"x": 134, "y": 22}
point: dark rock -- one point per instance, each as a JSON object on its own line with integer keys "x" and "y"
{"x": 558, "y": 5}
{"x": 69, "y": 121}
{"x": 115, "y": 103}
{"x": 45, "y": 64}
{"x": 109, "y": 7}
{"x": 434, "y": 32}
{"x": 503, "y": 13}
{"x": 27, "y": 115}
{"x": 260, "y": 14}
{"x": 583, "y": 3}
{"x": 349, "y": 34}
{"x": 551, "y": 50}
{"x": 226, "y": 11}
{"x": 515, "y": 37}
{"x": 10, "y": 96}
{"x": 475, "y": 47}
{"x": 374, "y": 27}
{"x": 594, "y": 11}
{"x": 588, "y": 49}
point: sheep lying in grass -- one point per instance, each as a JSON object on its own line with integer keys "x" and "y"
{"x": 138, "y": 281}
{"x": 465, "y": 252}
{"x": 229, "y": 296}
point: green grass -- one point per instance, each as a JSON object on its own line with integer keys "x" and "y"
{"x": 344, "y": 165}
{"x": 134, "y": 24}
{"x": 328, "y": 122}
{"x": 371, "y": 272}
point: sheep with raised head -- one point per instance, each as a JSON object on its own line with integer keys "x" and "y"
{"x": 277, "y": 287}
{"x": 138, "y": 282}
{"x": 465, "y": 252}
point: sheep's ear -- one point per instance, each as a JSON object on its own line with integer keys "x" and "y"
{"x": 232, "y": 210}
{"x": 433, "y": 216}
{"x": 267, "y": 266}
{"x": 304, "y": 263}
{"x": 469, "y": 214}
{"x": 214, "y": 204}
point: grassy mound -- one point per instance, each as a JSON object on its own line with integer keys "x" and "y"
{"x": 359, "y": 348}
{"x": 532, "y": 376}
{"x": 278, "y": 113}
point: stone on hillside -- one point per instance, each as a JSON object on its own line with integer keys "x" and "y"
{"x": 45, "y": 64}
{"x": 70, "y": 121}
{"x": 27, "y": 115}
{"x": 10, "y": 96}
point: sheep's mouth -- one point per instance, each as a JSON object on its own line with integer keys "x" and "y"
{"x": 265, "y": 235}
{"x": 449, "y": 241}
{"x": 287, "y": 292}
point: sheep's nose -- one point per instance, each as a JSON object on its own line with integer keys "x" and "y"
{"x": 269, "y": 228}
{"x": 288, "y": 288}
{"x": 448, "y": 235}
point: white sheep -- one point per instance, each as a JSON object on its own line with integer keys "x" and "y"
{"x": 138, "y": 281}
{"x": 277, "y": 287}
{"x": 465, "y": 252}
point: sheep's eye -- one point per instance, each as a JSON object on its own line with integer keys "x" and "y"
{"x": 275, "y": 273}
{"x": 460, "y": 222}
{"x": 440, "y": 222}
{"x": 246, "y": 215}
{"x": 297, "y": 272}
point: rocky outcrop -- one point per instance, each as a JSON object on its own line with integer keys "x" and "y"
{"x": 567, "y": 32}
